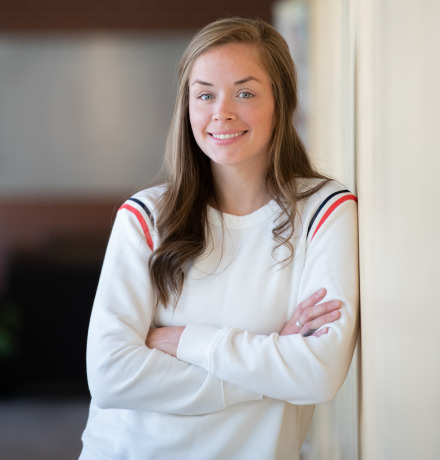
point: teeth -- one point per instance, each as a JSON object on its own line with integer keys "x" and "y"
{"x": 228, "y": 136}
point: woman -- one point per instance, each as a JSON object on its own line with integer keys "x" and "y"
{"x": 209, "y": 337}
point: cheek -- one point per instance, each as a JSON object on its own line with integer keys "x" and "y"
{"x": 191, "y": 114}
{"x": 266, "y": 121}
{"x": 197, "y": 126}
{"x": 271, "y": 121}
{"x": 261, "y": 115}
{"x": 195, "y": 119}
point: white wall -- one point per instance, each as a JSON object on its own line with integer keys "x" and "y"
{"x": 379, "y": 61}
{"x": 334, "y": 433}
{"x": 332, "y": 122}
{"x": 85, "y": 114}
{"x": 398, "y": 168}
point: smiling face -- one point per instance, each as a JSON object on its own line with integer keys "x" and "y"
{"x": 232, "y": 107}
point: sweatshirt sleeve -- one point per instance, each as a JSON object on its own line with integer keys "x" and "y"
{"x": 301, "y": 370}
{"x": 122, "y": 372}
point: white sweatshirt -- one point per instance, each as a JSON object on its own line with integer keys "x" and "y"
{"x": 237, "y": 390}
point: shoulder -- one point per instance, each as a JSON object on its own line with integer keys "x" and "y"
{"x": 318, "y": 192}
{"x": 327, "y": 202}
{"x": 145, "y": 201}
{"x": 149, "y": 196}
{"x": 140, "y": 209}
{"x": 318, "y": 187}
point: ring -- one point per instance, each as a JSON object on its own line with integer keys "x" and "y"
{"x": 299, "y": 324}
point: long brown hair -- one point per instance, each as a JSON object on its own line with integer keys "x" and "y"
{"x": 182, "y": 218}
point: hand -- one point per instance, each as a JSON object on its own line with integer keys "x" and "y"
{"x": 313, "y": 315}
{"x": 165, "y": 339}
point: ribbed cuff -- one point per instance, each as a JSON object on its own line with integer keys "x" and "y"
{"x": 196, "y": 343}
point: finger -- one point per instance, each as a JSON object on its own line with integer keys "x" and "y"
{"x": 309, "y": 310}
{"x": 315, "y": 311}
{"x": 322, "y": 331}
{"x": 292, "y": 326}
{"x": 289, "y": 329}
{"x": 301, "y": 318}
{"x": 312, "y": 326}
{"x": 313, "y": 299}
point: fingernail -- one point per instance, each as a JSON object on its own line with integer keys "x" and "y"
{"x": 335, "y": 314}
{"x": 321, "y": 291}
{"x": 336, "y": 303}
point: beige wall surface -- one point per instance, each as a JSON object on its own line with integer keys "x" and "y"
{"x": 334, "y": 431}
{"x": 398, "y": 166}
{"x": 375, "y": 95}
{"x": 332, "y": 123}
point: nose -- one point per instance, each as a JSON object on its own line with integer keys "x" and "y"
{"x": 224, "y": 110}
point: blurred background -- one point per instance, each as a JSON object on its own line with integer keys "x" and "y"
{"x": 87, "y": 92}
{"x": 86, "y": 96}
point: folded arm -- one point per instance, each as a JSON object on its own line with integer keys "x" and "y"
{"x": 307, "y": 320}
{"x": 122, "y": 371}
{"x": 302, "y": 370}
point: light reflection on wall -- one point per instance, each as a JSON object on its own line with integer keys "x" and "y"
{"x": 291, "y": 19}
{"x": 85, "y": 114}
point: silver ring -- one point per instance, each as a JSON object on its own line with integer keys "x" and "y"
{"x": 299, "y": 324}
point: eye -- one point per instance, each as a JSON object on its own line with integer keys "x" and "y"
{"x": 245, "y": 95}
{"x": 206, "y": 97}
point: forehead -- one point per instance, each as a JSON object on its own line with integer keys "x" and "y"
{"x": 233, "y": 59}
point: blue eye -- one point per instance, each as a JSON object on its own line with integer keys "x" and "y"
{"x": 206, "y": 97}
{"x": 245, "y": 95}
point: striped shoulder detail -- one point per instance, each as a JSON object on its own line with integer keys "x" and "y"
{"x": 326, "y": 209}
{"x": 144, "y": 207}
{"x": 137, "y": 208}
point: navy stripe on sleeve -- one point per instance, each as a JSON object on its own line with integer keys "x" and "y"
{"x": 144, "y": 207}
{"x": 321, "y": 206}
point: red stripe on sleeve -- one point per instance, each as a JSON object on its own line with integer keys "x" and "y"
{"x": 141, "y": 220}
{"x": 331, "y": 209}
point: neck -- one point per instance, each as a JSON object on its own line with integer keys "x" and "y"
{"x": 240, "y": 194}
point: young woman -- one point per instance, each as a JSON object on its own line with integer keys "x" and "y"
{"x": 227, "y": 304}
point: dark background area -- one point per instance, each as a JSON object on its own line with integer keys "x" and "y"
{"x": 52, "y": 251}
{"x": 123, "y": 15}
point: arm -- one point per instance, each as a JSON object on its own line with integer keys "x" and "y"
{"x": 302, "y": 370}
{"x": 122, "y": 372}
{"x": 310, "y": 314}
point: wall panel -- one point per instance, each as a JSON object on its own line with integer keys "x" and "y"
{"x": 397, "y": 175}
{"x": 334, "y": 431}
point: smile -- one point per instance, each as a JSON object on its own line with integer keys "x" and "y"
{"x": 227, "y": 136}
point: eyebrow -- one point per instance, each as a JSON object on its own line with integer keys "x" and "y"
{"x": 239, "y": 82}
